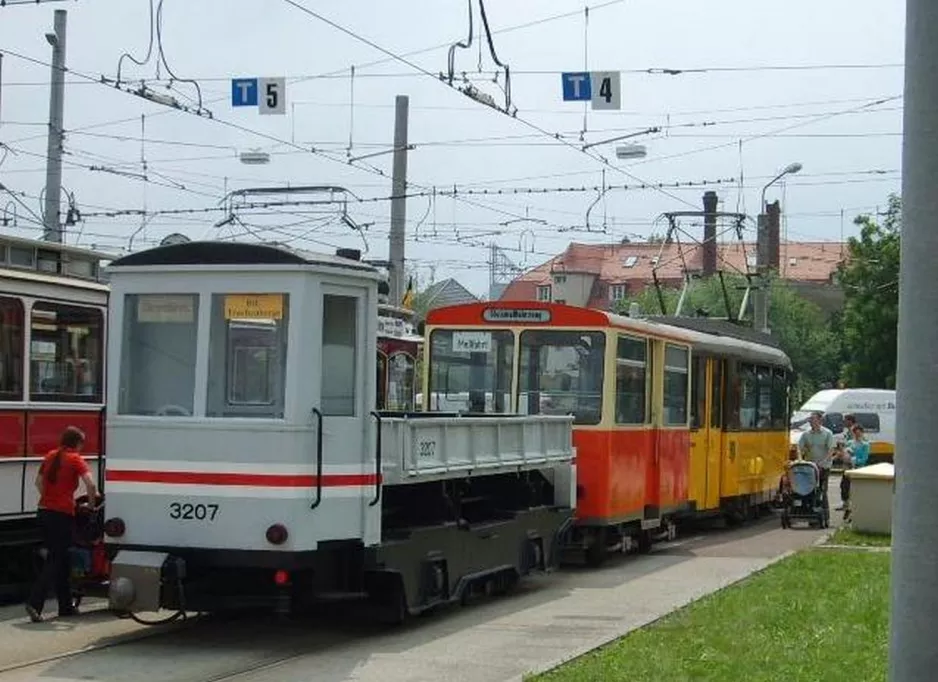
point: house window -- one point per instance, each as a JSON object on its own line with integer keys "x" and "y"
{"x": 630, "y": 261}
{"x": 560, "y": 279}
{"x": 543, "y": 293}
{"x": 617, "y": 292}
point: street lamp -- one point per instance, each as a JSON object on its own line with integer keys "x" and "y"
{"x": 790, "y": 169}
{"x": 760, "y": 302}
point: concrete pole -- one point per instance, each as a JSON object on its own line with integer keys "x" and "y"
{"x": 398, "y": 200}
{"x": 914, "y": 579}
{"x": 53, "y": 225}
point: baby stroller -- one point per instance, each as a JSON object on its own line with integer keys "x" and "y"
{"x": 803, "y": 497}
{"x": 88, "y": 558}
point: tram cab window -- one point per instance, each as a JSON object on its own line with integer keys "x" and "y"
{"x": 764, "y": 410}
{"x": 631, "y": 381}
{"x": 158, "y": 349}
{"x": 716, "y": 395}
{"x": 400, "y": 372}
{"x": 66, "y": 347}
{"x": 561, "y": 372}
{"x": 338, "y": 393}
{"x": 470, "y": 370}
{"x": 247, "y": 355}
{"x": 676, "y": 385}
{"x": 11, "y": 349}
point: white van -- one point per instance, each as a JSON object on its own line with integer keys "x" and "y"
{"x": 873, "y": 408}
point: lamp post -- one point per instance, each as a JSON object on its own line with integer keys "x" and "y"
{"x": 760, "y": 302}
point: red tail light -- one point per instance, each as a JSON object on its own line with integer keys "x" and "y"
{"x": 281, "y": 577}
{"x": 114, "y": 528}
{"x": 277, "y": 534}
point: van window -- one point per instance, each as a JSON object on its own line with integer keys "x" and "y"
{"x": 833, "y": 421}
{"x": 868, "y": 420}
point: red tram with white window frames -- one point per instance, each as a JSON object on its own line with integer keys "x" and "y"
{"x": 53, "y": 318}
{"x": 399, "y": 354}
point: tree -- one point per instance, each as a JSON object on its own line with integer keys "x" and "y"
{"x": 801, "y": 328}
{"x": 870, "y": 279}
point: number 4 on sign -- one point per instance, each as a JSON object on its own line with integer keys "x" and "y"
{"x": 607, "y": 91}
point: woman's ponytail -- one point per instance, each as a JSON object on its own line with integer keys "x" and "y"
{"x": 72, "y": 438}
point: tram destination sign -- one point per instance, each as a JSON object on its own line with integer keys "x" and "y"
{"x": 253, "y": 307}
{"x": 516, "y": 315}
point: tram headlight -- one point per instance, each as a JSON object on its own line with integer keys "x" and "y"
{"x": 114, "y": 528}
{"x": 277, "y": 534}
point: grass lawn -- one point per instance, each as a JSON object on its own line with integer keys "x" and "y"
{"x": 847, "y": 536}
{"x": 818, "y": 615}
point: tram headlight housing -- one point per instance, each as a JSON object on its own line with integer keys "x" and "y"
{"x": 277, "y": 534}
{"x": 115, "y": 527}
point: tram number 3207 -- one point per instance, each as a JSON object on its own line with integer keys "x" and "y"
{"x": 186, "y": 511}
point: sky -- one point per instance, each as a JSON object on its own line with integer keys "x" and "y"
{"x": 760, "y": 85}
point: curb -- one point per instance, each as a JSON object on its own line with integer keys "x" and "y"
{"x": 858, "y": 548}
{"x": 590, "y": 648}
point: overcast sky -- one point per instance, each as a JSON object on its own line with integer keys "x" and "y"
{"x": 832, "y": 120}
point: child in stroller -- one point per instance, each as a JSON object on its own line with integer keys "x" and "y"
{"x": 802, "y": 496}
{"x": 89, "y": 562}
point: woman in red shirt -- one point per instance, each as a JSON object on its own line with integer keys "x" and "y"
{"x": 57, "y": 481}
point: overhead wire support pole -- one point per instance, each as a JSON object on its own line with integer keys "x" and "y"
{"x": 398, "y": 199}
{"x": 52, "y": 219}
{"x": 914, "y": 581}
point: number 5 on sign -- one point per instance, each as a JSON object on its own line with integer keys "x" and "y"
{"x": 272, "y": 96}
{"x": 606, "y": 89}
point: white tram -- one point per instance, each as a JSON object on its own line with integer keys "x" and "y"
{"x": 53, "y": 320}
{"x": 247, "y": 464}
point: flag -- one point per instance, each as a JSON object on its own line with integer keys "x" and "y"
{"x": 408, "y": 300}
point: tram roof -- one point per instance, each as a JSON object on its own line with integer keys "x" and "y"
{"x": 234, "y": 253}
{"x": 704, "y": 334}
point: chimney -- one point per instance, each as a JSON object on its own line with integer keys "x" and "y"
{"x": 710, "y": 233}
{"x": 773, "y": 213}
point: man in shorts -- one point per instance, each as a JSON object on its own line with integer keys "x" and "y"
{"x": 817, "y": 445}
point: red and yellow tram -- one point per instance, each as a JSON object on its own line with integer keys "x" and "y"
{"x": 674, "y": 417}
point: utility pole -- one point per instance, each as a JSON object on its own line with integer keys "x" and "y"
{"x": 760, "y": 297}
{"x": 398, "y": 199}
{"x": 53, "y": 224}
{"x": 710, "y": 233}
{"x": 913, "y": 624}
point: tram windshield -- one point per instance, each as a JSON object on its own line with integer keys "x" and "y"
{"x": 561, "y": 372}
{"x": 470, "y": 370}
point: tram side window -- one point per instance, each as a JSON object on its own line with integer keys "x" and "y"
{"x": 470, "y": 370}
{"x": 764, "y": 411}
{"x": 561, "y": 372}
{"x": 698, "y": 392}
{"x": 158, "y": 349}
{"x": 381, "y": 397}
{"x": 676, "y": 386}
{"x": 631, "y": 381}
{"x": 247, "y": 355}
{"x": 11, "y": 349}
{"x": 779, "y": 400}
{"x": 748, "y": 398}
{"x": 66, "y": 348}
{"x": 340, "y": 340}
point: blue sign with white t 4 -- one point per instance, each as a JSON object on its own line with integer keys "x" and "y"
{"x": 244, "y": 92}
{"x": 577, "y": 87}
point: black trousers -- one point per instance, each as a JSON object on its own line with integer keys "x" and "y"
{"x": 845, "y": 489}
{"x": 57, "y": 538}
